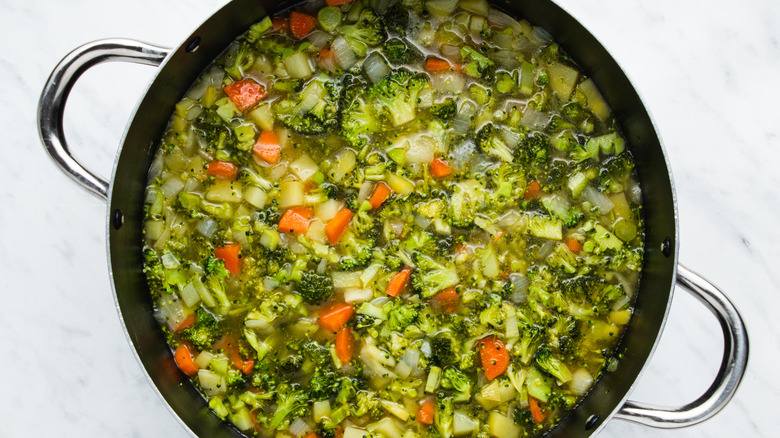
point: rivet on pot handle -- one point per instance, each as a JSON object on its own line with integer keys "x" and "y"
{"x": 732, "y": 368}
{"x": 55, "y": 93}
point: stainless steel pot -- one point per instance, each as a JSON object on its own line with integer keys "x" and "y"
{"x": 179, "y": 67}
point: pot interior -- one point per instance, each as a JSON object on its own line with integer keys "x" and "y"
{"x": 185, "y": 64}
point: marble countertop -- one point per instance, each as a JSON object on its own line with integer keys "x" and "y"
{"x": 707, "y": 75}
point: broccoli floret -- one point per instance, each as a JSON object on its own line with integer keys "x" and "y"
{"x": 291, "y": 402}
{"x": 216, "y": 132}
{"x": 398, "y": 95}
{"x": 215, "y": 281}
{"x": 533, "y": 151}
{"x": 239, "y": 60}
{"x": 362, "y": 223}
{"x": 396, "y": 51}
{"x": 457, "y": 381}
{"x": 324, "y": 384}
{"x": 552, "y": 366}
{"x": 479, "y": 66}
{"x": 311, "y": 111}
{"x": 358, "y": 116}
{"x": 396, "y": 19}
{"x": 204, "y": 331}
{"x": 155, "y": 272}
{"x": 444, "y": 349}
{"x": 278, "y": 47}
{"x": 431, "y": 276}
{"x": 401, "y": 315}
{"x": 445, "y": 111}
{"x": 508, "y": 182}
{"x": 563, "y": 259}
{"x": 315, "y": 288}
{"x": 492, "y": 314}
{"x": 368, "y": 403}
{"x": 523, "y": 417}
{"x": 490, "y": 142}
{"x": 531, "y": 338}
{"x": 614, "y": 172}
{"x": 466, "y": 200}
{"x": 270, "y": 309}
{"x": 368, "y": 31}
{"x": 443, "y": 418}
{"x": 358, "y": 251}
{"x": 552, "y": 53}
{"x": 316, "y": 353}
{"x": 326, "y": 430}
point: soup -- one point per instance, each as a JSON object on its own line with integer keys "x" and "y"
{"x": 415, "y": 220}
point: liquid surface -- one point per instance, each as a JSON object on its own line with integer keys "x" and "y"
{"x": 418, "y": 220}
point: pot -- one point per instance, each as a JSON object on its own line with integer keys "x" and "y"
{"x": 179, "y": 67}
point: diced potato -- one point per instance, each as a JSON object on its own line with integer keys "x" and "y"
{"x": 298, "y": 65}
{"x": 399, "y": 184}
{"x": 263, "y": 116}
{"x": 386, "y": 427}
{"x": 211, "y": 383}
{"x": 442, "y": 8}
{"x": 354, "y": 432}
{"x": 304, "y": 167}
{"x": 501, "y": 426}
{"x": 255, "y": 196}
{"x": 620, "y": 317}
{"x": 320, "y": 410}
{"x": 325, "y": 211}
{"x": 596, "y": 103}
{"x": 463, "y": 425}
{"x": 225, "y": 191}
{"x": 562, "y": 80}
{"x": 346, "y": 279}
{"x": 291, "y": 194}
{"x": 480, "y": 7}
{"x": 345, "y": 162}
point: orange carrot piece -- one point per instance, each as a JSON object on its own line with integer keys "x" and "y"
{"x": 301, "y": 24}
{"x": 311, "y": 435}
{"x": 335, "y": 227}
{"x": 574, "y": 245}
{"x": 245, "y": 93}
{"x": 185, "y": 323}
{"x": 398, "y": 282}
{"x": 532, "y": 190}
{"x": 222, "y": 169}
{"x": 495, "y": 358}
{"x": 446, "y": 301}
{"x": 440, "y": 168}
{"x": 337, "y": 2}
{"x": 247, "y": 366}
{"x": 296, "y": 220}
{"x": 334, "y": 316}
{"x": 267, "y": 147}
{"x": 536, "y": 411}
{"x": 381, "y": 192}
{"x": 426, "y": 412}
{"x": 435, "y": 65}
{"x": 344, "y": 345}
{"x": 279, "y": 24}
{"x": 183, "y": 359}
{"x": 230, "y": 254}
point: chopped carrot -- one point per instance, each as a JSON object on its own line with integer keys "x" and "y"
{"x": 532, "y": 190}
{"x": 573, "y": 244}
{"x": 245, "y": 93}
{"x": 440, "y": 168}
{"x": 279, "y": 25}
{"x": 398, "y": 282}
{"x": 247, "y": 366}
{"x": 336, "y": 2}
{"x": 426, "y": 411}
{"x": 334, "y": 316}
{"x": 344, "y": 345}
{"x": 230, "y": 255}
{"x": 336, "y": 227}
{"x": 267, "y": 147}
{"x": 222, "y": 169}
{"x": 296, "y": 220}
{"x": 495, "y": 358}
{"x": 381, "y": 192}
{"x": 185, "y": 323}
{"x": 301, "y": 24}
{"x": 536, "y": 411}
{"x": 183, "y": 359}
{"x": 435, "y": 65}
{"x": 311, "y": 435}
{"x": 446, "y": 300}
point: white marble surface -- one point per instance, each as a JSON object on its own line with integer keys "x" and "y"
{"x": 707, "y": 70}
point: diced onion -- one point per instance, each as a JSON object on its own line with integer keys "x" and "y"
{"x": 598, "y": 199}
{"x": 319, "y": 38}
{"x": 365, "y": 191}
{"x": 320, "y": 410}
{"x": 190, "y": 295}
{"x": 462, "y": 121}
{"x": 203, "y": 359}
{"x": 581, "y": 381}
{"x": 211, "y": 383}
{"x": 502, "y": 20}
{"x": 535, "y": 119}
{"x": 156, "y": 168}
{"x": 421, "y": 150}
{"x": 343, "y": 54}
{"x": 375, "y": 67}
{"x": 462, "y": 154}
{"x": 207, "y": 227}
{"x": 299, "y": 427}
{"x": 171, "y": 187}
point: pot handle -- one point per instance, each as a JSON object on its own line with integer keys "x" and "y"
{"x": 55, "y": 93}
{"x": 732, "y": 368}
